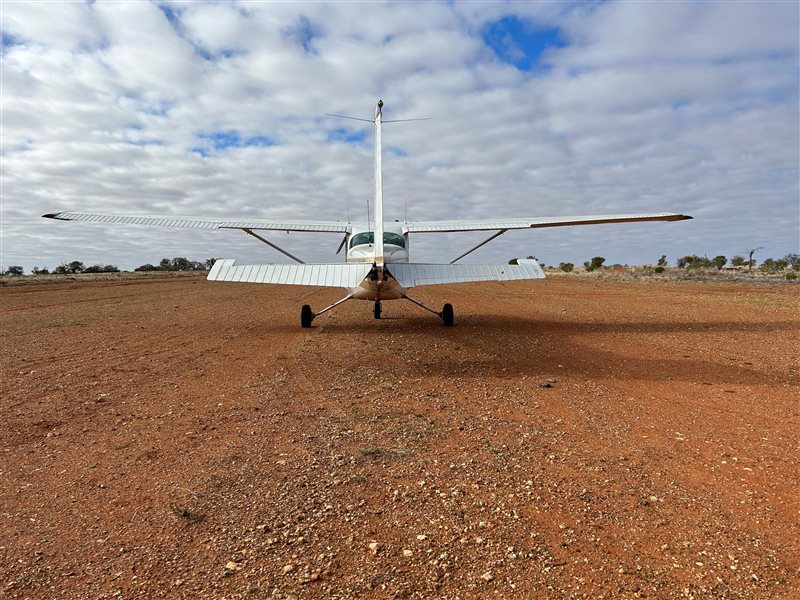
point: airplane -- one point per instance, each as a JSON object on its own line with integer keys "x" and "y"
{"x": 377, "y": 266}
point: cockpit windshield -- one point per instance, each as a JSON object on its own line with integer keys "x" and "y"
{"x": 368, "y": 237}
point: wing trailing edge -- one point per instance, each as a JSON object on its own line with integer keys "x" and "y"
{"x": 414, "y": 274}
{"x": 345, "y": 275}
{"x": 202, "y": 222}
{"x": 525, "y": 223}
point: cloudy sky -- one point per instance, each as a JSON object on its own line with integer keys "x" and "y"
{"x": 538, "y": 109}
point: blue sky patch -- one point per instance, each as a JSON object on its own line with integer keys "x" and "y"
{"x": 170, "y": 14}
{"x": 220, "y": 140}
{"x": 303, "y": 33}
{"x": 520, "y": 44}
{"x": 9, "y": 40}
{"x": 346, "y": 135}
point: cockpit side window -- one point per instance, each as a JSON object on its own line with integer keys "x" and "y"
{"x": 365, "y": 237}
{"x": 395, "y": 239}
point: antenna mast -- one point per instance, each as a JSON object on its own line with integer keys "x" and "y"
{"x": 378, "y": 188}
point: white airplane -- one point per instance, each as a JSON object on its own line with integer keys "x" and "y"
{"x": 377, "y": 267}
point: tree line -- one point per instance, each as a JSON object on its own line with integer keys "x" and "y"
{"x": 179, "y": 263}
{"x": 790, "y": 262}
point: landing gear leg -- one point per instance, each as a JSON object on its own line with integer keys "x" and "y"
{"x": 307, "y": 315}
{"x": 376, "y": 309}
{"x": 447, "y": 315}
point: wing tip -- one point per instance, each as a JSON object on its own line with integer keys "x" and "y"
{"x": 51, "y": 216}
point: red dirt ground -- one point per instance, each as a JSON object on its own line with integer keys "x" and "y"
{"x": 568, "y": 438}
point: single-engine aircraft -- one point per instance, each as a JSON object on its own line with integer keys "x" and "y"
{"x": 377, "y": 263}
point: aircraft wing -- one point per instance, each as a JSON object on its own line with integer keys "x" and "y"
{"x": 411, "y": 274}
{"x": 524, "y": 223}
{"x": 345, "y": 275}
{"x": 203, "y": 222}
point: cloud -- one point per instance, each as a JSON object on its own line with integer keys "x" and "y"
{"x": 572, "y": 108}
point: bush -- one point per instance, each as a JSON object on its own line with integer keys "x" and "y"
{"x": 659, "y": 269}
{"x": 147, "y": 267}
{"x": 770, "y": 265}
{"x": 101, "y": 269}
{"x": 514, "y": 261}
{"x": 662, "y": 262}
{"x": 595, "y": 263}
{"x": 791, "y": 276}
{"x": 567, "y": 267}
{"x": 14, "y": 270}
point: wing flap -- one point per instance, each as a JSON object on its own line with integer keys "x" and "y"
{"x": 525, "y": 223}
{"x": 411, "y": 275}
{"x": 336, "y": 275}
{"x": 202, "y": 222}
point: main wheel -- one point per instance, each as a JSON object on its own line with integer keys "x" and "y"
{"x": 306, "y": 316}
{"x": 376, "y": 309}
{"x": 447, "y": 315}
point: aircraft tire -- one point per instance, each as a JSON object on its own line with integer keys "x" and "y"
{"x": 376, "y": 309}
{"x": 448, "y": 316}
{"x": 306, "y": 316}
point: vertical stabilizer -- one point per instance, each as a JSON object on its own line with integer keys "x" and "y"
{"x": 378, "y": 188}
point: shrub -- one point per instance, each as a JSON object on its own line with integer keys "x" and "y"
{"x": 659, "y": 269}
{"x": 101, "y": 269}
{"x": 791, "y": 276}
{"x": 793, "y": 260}
{"x": 14, "y": 270}
{"x": 147, "y": 267}
{"x": 567, "y": 267}
{"x": 595, "y": 263}
{"x": 514, "y": 261}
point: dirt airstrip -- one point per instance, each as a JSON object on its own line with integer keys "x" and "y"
{"x": 568, "y": 438}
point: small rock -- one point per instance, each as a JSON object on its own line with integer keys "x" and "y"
{"x": 407, "y": 553}
{"x": 487, "y": 576}
{"x": 422, "y": 537}
{"x": 288, "y": 569}
{"x": 232, "y": 566}
{"x": 546, "y": 384}
{"x": 374, "y": 547}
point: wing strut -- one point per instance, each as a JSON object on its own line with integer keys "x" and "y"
{"x": 498, "y": 234}
{"x": 270, "y": 244}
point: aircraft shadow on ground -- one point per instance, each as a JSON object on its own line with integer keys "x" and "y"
{"x": 501, "y": 345}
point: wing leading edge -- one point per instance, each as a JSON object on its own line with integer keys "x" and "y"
{"x": 525, "y": 223}
{"x": 203, "y": 222}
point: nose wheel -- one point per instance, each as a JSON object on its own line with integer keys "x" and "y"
{"x": 376, "y": 309}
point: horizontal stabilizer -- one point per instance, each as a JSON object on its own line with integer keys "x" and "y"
{"x": 411, "y": 275}
{"x": 525, "y": 223}
{"x": 337, "y": 275}
{"x": 202, "y": 222}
